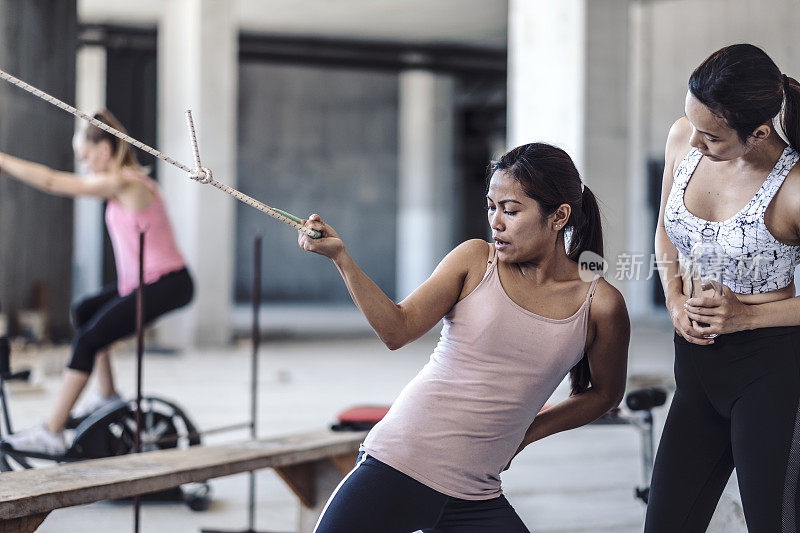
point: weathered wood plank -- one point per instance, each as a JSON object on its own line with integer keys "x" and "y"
{"x": 24, "y": 524}
{"x": 41, "y": 490}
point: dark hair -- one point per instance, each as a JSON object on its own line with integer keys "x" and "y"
{"x": 548, "y": 175}
{"x": 741, "y": 84}
{"x": 121, "y": 150}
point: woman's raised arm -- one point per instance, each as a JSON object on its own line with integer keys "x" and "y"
{"x": 52, "y": 181}
{"x": 397, "y": 324}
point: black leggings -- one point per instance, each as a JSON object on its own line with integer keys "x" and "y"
{"x": 108, "y": 317}
{"x": 375, "y": 497}
{"x": 736, "y": 404}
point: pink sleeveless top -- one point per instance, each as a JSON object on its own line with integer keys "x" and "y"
{"x": 456, "y": 425}
{"x": 161, "y": 254}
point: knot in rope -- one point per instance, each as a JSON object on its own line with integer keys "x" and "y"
{"x": 201, "y": 175}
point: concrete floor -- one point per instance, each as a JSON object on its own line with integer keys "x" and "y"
{"x": 580, "y": 481}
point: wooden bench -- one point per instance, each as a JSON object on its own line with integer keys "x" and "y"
{"x": 312, "y": 464}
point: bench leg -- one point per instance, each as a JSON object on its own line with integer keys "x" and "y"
{"x": 25, "y": 524}
{"x": 345, "y": 462}
{"x": 313, "y": 484}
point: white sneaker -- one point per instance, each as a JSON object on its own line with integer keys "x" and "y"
{"x": 37, "y": 439}
{"x": 92, "y": 403}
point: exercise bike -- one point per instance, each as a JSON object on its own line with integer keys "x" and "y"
{"x": 110, "y": 431}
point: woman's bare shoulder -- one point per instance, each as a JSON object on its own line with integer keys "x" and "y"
{"x": 678, "y": 141}
{"x": 471, "y": 258}
{"x": 608, "y": 302}
{"x": 471, "y": 250}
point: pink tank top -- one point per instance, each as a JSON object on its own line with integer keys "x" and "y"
{"x": 161, "y": 254}
{"x": 456, "y": 425}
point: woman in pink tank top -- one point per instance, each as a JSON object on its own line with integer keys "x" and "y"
{"x": 519, "y": 315}
{"x": 134, "y": 204}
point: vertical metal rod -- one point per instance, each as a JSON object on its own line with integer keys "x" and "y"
{"x": 647, "y": 442}
{"x": 6, "y": 416}
{"x": 256, "y": 341}
{"x": 5, "y": 369}
{"x": 139, "y": 361}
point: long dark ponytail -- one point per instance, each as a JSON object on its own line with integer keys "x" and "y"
{"x": 744, "y": 86}
{"x": 790, "y": 119}
{"x": 548, "y": 175}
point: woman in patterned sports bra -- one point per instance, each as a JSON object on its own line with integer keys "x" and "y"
{"x": 518, "y": 317}
{"x": 737, "y": 362}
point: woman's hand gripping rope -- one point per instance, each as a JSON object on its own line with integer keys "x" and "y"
{"x": 328, "y": 243}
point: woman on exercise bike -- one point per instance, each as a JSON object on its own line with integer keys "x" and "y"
{"x": 519, "y": 315}
{"x": 134, "y": 204}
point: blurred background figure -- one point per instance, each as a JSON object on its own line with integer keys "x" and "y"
{"x": 134, "y": 205}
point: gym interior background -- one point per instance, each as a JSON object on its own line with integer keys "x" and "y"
{"x": 380, "y": 116}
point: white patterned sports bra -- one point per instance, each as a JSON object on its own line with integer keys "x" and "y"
{"x": 756, "y": 262}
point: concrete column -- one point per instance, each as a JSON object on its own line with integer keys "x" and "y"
{"x": 426, "y": 189}
{"x": 568, "y": 85}
{"x": 198, "y": 70}
{"x": 547, "y": 74}
{"x": 87, "y": 239}
{"x": 38, "y": 41}
{"x": 640, "y": 235}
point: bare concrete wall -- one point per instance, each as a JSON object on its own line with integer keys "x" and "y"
{"x": 684, "y": 32}
{"x": 37, "y": 44}
{"x": 317, "y": 140}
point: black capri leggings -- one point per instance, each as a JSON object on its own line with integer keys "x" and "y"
{"x": 736, "y": 405}
{"x": 108, "y": 317}
{"x": 375, "y": 497}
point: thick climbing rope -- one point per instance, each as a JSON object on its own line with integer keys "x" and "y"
{"x": 198, "y": 173}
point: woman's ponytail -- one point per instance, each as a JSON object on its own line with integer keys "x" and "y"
{"x": 790, "y": 118}
{"x": 587, "y": 234}
{"x": 122, "y": 152}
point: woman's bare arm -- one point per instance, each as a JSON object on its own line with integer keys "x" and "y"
{"x": 666, "y": 253}
{"x": 397, "y": 324}
{"x": 52, "y": 181}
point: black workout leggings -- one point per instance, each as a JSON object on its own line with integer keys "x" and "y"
{"x": 108, "y": 317}
{"x": 376, "y": 498}
{"x": 736, "y": 404}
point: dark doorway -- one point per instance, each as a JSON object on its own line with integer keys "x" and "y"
{"x": 655, "y": 172}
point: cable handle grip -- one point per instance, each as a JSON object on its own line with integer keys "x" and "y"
{"x": 314, "y": 234}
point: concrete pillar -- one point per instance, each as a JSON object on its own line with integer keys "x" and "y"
{"x": 640, "y": 235}
{"x": 547, "y": 74}
{"x": 568, "y": 85}
{"x": 426, "y": 189}
{"x": 38, "y": 41}
{"x": 197, "y": 70}
{"x": 87, "y": 240}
